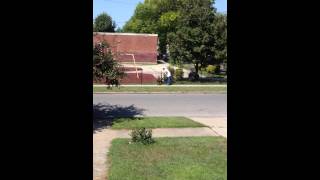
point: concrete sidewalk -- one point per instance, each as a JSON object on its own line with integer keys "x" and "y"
{"x": 217, "y": 124}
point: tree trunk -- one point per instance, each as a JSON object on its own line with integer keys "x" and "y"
{"x": 197, "y": 67}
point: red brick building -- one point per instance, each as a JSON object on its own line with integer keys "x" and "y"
{"x": 143, "y": 46}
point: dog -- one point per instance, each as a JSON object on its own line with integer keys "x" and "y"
{"x": 112, "y": 82}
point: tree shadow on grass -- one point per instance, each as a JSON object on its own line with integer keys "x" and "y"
{"x": 105, "y": 114}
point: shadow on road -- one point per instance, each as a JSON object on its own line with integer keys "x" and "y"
{"x": 105, "y": 114}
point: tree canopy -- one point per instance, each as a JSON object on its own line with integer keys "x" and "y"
{"x": 104, "y": 23}
{"x": 193, "y": 30}
{"x": 193, "y": 40}
{"x": 220, "y": 32}
{"x": 154, "y": 16}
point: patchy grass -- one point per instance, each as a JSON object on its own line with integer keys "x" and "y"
{"x": 185, "y": 158}
{"x": 155, "y": 122}
{"x": 163, "y": 88}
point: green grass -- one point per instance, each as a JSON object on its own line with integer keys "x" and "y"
{"x": 186, "y": 158}
{"x": 154, "y": 122}
{"x": 162, "y": 88}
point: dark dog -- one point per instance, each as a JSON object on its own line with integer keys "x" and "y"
{"x": 112, "y": 82}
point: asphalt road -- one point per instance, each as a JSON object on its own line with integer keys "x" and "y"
{"x": 201, "y": 105}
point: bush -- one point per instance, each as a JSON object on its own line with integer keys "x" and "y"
{"x": 211, "y": 69}
{"x": 142, "y": 135}
{"x": 104, "y": 65}
{"x": 171, "y": 69}
{"x": 179, "y": 74}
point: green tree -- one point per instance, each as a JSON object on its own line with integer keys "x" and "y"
{"x": 220, "y": 32}
{"x": 154, "y": 16}
{"x": 104, "y": 23}
{"x": 104, "y": 65}
{"x": 194, "y": 40}
{"x": 194, "y": 31}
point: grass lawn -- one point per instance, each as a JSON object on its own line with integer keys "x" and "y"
{"x": 163, "y": 88}
{"x": 154, "y": 122}
{"x": 186, "y": 158}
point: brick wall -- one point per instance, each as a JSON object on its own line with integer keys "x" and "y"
{"x": 131, "y": 78}
{"x": 143, "y": 46}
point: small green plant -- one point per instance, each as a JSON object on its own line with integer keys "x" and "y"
{"x": 142, "y": 135}
{"x": 211, "y": 69}
{"x": 179, "y": 74}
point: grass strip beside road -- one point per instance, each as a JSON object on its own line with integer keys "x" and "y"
{"x": 155, "y": 122}
{"x": 145, "y": 89}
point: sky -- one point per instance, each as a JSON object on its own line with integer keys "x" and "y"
{"x": 121, "y": 10}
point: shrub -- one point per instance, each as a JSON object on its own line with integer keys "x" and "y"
{"x": 211, "y": 69}
{"x": 104, "y": 65}
{"x": 171, "y": 69}
{"x": 171, "y": 60}
{"x": 179, "y": 74}
{"x": 142, "y": 135}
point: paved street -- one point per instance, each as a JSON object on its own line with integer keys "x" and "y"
{"x": 199, "y": 105}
